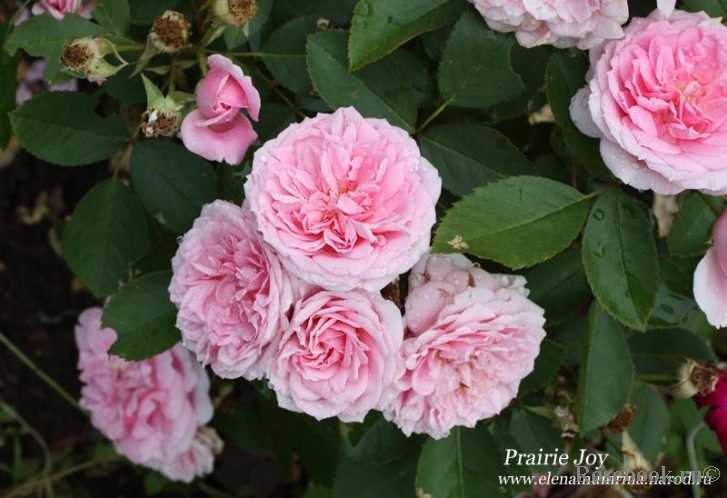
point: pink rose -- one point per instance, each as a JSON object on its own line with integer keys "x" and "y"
{"x": 231, "y": 291}
{"x": 32, "y": 83}
{"x": 657, "y": 99}
{"x": 338, "y": 355}
{"x": 216, "y": 130}
{"x": 562, "y": 23}
{"x": 59, "y": 8}
{"x": 347, "y": 201}
{"x": 475, "y": 336}
{"x": 153, "y": 409}
{"x": 710, "y": 277}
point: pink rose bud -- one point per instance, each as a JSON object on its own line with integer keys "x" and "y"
{"x": 657, "y": 99}
{"x": 339, "y": 355}
{"x": 346, "y": 201}
{"x": 153, "y": 410}
{"x": 59, "y": 8}
{"x": 216, "y": 130}
{"x": 562, "y": 23}
{"x": 475, "y": 337}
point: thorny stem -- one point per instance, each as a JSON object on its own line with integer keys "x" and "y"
{"x": 40, "y": 373}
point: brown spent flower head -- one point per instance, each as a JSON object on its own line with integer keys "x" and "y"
{"x": 235, "y": 12}
{"x": 86, "y": 56}
{"x": 170, "y": 32}
{"x": 621, "y": 422}
{"x": 693, "y": 379}
{"x": 159, "y": 122}
{"x": 76, "y": 55}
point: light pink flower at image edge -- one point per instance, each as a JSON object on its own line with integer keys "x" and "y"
{"x": 339, "y": 354}
{"x": 561, "y": 23}
{"x": 59, "y": 8}
{"x": 346, "y": 201}
{"x": 657, "y": 99}
{"x": 472, "y": 338}
{"x": 216, "y": 130}
{"x": 232, "y": 292}
{"x": 153, "y": 410}
{"x": 710, "y": 277}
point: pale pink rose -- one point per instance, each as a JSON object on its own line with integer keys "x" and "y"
{"x": 346, "y": 201}
{"x": 710, "y": 277}
{"x": 474, "y": 337}
{"x": 59, "y": 8}
{"x": 339, "y": 354}
{"x": 562, "y": 23}
{"x": 198, "y": 460}
{"x": 153, "y": 409}
{"x": 231, "y": 291}
{"x": 657, "y": 99}
{"x": 33, "y": 82}
{"x": 216, "y": 130}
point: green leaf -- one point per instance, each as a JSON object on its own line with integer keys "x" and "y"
{"x": 565, "y": 75}
{"x": 113, "y": 15}
{"x": 547, "y": 364}
{"x": 383, "y": 443}
{"x": 691, "y": 231}
{"x": 671, "y": 309}
{"x": 62, "y": 128}
{"x": 606, "y": 374}
{"x": 143, "y": 317}
{"x": 393, "y": 480}
{"x": 417, "y": 73}
{"x": 44, "y": 36}
{"x": 714, "y": 8}
{"x": 619, "y": 254}
{"x": 534, "y": 433}
{"x": 650, "y": 424}
{"x": 571, "y": 334}
{"x": 464, "y": 464}
{"x": 244, "y": 427}
{"x": 517, "y": 222}
{"x": 8, "y": 85}
{"x": 144, "y": 11}
{"x": 377, "y": 91}
{"x": 172, "y": 183}
{"x": 475, "y": 70}
{"x": 559, "y": 286}
{"x": 470, "y": 155}
{"x": 284, "y": 54}
{"x": 380, "y": 26}
{"x": 106, "y": 233}
{"x": 659, "y": 352}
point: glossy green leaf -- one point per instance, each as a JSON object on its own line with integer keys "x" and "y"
{"x": 44, "y": 36}
{"x": 559, "y": 285}
{"x": 607, "y": 372}
{"x": 380, "y": 26}
{"x": 535, "y": 433}
{"x": 715, "y": 8}
{"x": 336, "y": 12}
{"x": 571, "y": 333}
{"x": 619, "y": 255}
{"x": 377, "y": 91}
{"x": 8, "y": 85}
{"x": 475, "y": 70}
{"x": 650, "y": 424}
{"x": 172, "y": 183}
{"x": 465, "y": 464}
{"x": 691, "y": 231}
{"x": 565, "y": 75}
{"x": 143, "y": 317}
{"x": 113, "y": 15}
{"x": 660, "y": 352}
{"x": 547, "y": 364}
{"x": 285, "y": 54}
{"x": 144, "y": 11}
{"x": 107, "y": 232}
{"x": 518, "y": 221}
{"x": 470, "y": 155}
{"x": 62, "y": 128}
{"x": 382, "y": 443}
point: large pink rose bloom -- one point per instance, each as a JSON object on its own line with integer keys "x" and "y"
{"x": 657, "y": 99}
{"x": 153, "y": 410}
{"x": 216, "y": 130}
{"x": 710, "y": 277}
{"x": 346, "y": 201}
{"x": 231, "y": 291}
{"x": 59, "y": 8}
{"x": 474, "y": 337}
{"x": 562, "y": 23}
{"x": 339, "y": 355}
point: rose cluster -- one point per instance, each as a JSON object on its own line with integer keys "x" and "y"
{"x": 287, "y": 287}
{"x": 155, "y": 411}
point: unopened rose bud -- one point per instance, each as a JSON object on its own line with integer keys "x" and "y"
{"x": 85, "y": 56}
{"x": 169, "y": 33}
{"x": 235, "y": 12}
{"x": 693, "y": 378}
{"x": 163, "y": 115}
